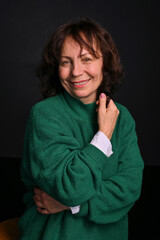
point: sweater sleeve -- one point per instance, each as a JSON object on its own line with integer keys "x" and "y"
{"x": 100, "y": 141}
{"x": 54, "y": 161}
{"x": 117, "y": 193}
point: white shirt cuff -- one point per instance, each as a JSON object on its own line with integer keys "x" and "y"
{"x": 101, "y": 141}
{"x": 75, "y": 209}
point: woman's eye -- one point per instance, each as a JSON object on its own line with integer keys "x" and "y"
{"x": 86, "y": 60}
{"x": 65, "y": 63}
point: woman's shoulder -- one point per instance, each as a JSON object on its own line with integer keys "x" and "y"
{"x": 49, "y": 107}
{"x": 125, "y": 116}
{"x": 49, "y": 112}
{"x": 50, "y": 103}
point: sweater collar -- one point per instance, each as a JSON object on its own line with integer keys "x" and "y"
{"x": 80, "y": 110}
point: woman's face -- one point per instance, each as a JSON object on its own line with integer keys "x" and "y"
{"x": 79, "y": 71}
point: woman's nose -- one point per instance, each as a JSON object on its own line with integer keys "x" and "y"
{"x": 77, "y": 69}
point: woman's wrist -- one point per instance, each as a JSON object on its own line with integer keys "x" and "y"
{"x": 108, "y": 134}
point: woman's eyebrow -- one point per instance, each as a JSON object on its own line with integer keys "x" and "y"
{"x": 84, "y": 54}
{"x": 81, "y": 55}
{"x": 65, "y": 57}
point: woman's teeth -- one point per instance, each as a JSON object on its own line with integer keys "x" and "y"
{"x": 80, "y": 83}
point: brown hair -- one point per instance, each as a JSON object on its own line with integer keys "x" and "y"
{"x": 84, "y": 32}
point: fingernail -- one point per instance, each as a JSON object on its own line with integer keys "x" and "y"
{"x": 102, "y": 95}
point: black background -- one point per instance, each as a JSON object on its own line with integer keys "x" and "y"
{"x": 25, "y": 28}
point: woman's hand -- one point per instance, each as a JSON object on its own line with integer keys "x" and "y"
{"x": 107, "y": 117}
{"x": 46, "y": 204}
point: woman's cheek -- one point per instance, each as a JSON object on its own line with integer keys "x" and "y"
{"x": 63, "y": 73}
{"x": 93, "y": 69}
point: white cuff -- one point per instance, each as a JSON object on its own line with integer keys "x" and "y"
{"x": 75, "y": 209}
{"x": 101, "y": 141}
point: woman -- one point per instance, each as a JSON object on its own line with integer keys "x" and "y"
{"x": 81, "y": 157}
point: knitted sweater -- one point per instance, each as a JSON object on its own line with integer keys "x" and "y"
{"x": 59, "y": 159}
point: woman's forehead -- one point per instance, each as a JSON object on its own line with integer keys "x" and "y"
{"x": 71, "y": 44}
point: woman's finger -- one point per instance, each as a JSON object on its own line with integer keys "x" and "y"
{"x": 38, "y": 203}
{"x": 102, "y": 102}
{"x": 42, "y": 210}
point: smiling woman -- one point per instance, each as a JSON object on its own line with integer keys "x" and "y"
{"x": 93, "y": 46}
{"x": 81, "y": 164}
{"x": 80, "y": 71}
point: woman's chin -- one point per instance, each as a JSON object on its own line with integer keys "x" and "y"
{"x": 85, "y": 97}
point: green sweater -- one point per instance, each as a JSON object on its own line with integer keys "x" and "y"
{"x": 59, "y": 159}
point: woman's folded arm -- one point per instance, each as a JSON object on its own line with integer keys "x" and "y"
{"x": 54, "y": 161}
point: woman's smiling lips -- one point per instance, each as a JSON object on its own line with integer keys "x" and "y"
{"x": 79, "y": 84}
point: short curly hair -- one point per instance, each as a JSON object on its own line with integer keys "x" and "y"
{"x": 84, "y": 31}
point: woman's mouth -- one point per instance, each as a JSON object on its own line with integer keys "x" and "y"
{"x": 80, "y": 84}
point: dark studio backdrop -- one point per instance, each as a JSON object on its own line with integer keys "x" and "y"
{"x": 25, "y": 28}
